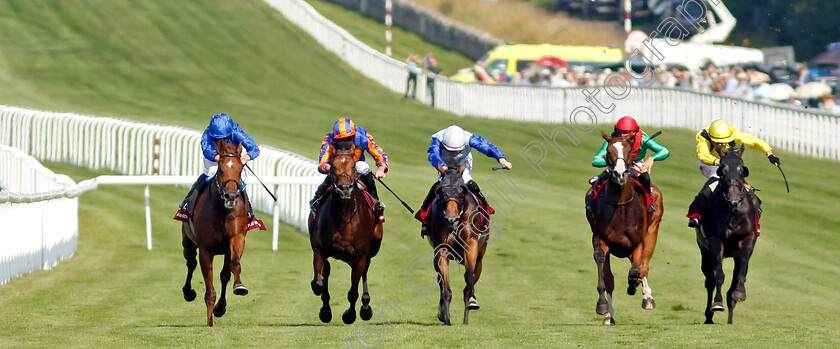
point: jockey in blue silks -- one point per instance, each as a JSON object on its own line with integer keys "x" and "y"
{"x": 455, "y": 144}
{"x": 221, "y": 127}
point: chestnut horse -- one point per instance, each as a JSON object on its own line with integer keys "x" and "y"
{"x": 347, "y": 229}
{"x": 218, "y": 227}
{"x": 622, "y": 226}
{"x": 455, "y": 234}
{"x": 727, "y": 229}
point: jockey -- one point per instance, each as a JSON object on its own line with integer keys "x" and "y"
{"x": 457, "y": 145}
{"x": 719, "y": 135}
{"x": 221, "y": 127}
{"x": 345, "y": 130}
{"x": 641, "y": 142}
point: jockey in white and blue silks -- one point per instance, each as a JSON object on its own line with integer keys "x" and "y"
{"x": 221, "y": 127}
{"x": 454, "y": 143}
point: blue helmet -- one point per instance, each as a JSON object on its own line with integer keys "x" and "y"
{"x": 221, "y": 126}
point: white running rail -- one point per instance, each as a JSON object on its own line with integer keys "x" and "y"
{"x": 793, "y": 129}
{"x": 140, "y": 149}
{"x": 38, "y": 215}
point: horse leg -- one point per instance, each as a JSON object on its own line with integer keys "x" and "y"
{"x": 648, "y": 246}
{"x": 716, "y": 259}
{"x": 365, "y": 312}
{"x": 349, "y": 315}
{"x": 206, "y": 259}
{"x": 325, "y": 314}
{"x": 635, "y": 275}
{"x": 469, "y": 276}
{"x": 318, "y": 262}
{"x": 709, "y": 274}
{"x": 237, "y": 247}
{"x": 737, "y": 291}
{"x": 605, "y": 282}
{"x": 224, "y": 277}
{"x": 190, "y": 253}
{"x": 442, "y": 268}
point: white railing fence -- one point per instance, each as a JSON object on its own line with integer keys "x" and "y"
{"x": 794, "y": 129}
{"x": 38, "y": 215}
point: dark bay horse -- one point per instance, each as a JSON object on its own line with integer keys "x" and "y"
{"x": 346, "y": 229}
{"x": 727, "y": 229}
{"x": 621, "y": 226}
{"x": 218, "y": 227}
{"x": 455, "y": 233}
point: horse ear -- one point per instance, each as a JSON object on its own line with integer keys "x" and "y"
{"x": 721, "y": 171}
{"x": 220, "y": 143}
{"x": 463, "y": 167}
{"x": 331, "y": 149}
{"x": 605, "y": 136}
{"x": 745, "y": 172}
{"x": 740, "y": 150}
{"x": 239, "y": 148}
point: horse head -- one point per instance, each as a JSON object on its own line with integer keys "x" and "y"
{"x": 343, "y": 169}
{"x": 732, "y": 173}
{"x": 618, "y": 158}
{"x": 229, "y": 175}
{"x": 451, "y": 193}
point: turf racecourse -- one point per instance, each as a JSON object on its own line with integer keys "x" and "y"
{"x": 179, "y": 62}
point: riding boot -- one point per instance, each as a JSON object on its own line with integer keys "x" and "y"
{"x": 248, "y": 205}
{"x": 189, "y": 201}
{"x": 644, "y": 178}
{"x": 319, "y": 193}
{"x": 370, "y": 185}
{"x": 473, "y": 187}
{"x": 699, "y": 203}
{"x": 595, "y": 181}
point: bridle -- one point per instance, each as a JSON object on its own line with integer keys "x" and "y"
{"x": 220, "y": 187}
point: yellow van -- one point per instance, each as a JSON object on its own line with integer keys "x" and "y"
{"x": 519, "y": 56}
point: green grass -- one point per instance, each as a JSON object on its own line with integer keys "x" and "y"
{"x": 403, "y": 42}
{"x": 180, "y": 62}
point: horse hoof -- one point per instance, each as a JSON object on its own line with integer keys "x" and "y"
{"x": 648, "y": 304}
{"x": 349, "y": 316}
{"x": 219, "y": 311}
{"x": 602, "y": 308}
{"x": 366, "y": 312}
{"x": 472, "y": 303}
{"x": 316, "y": 289}
{"x": 631, "y": 290}
{"x": 240, "y": 290}
{"x": 325, "y": 315}
{"x": 609, "y": 321}
{"x": 717, "y": 306}
{"x": 189, "y": 295}
{"x": 739, "y": 296}
{"x": 709, "y": 322}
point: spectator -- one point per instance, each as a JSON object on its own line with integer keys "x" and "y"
{"x": 804, "y": 77}
{"x": 827, "y": 104}
{"x": 412, "y": 64}
{"x": 432, "y": 70}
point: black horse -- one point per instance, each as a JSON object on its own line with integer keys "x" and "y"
{"x": 728, "y": 229}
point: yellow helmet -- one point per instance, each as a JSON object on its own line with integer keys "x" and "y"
{"x": 721, "y": 132}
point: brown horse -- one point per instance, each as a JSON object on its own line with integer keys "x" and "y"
{"x": 728, "y": 229}
{"x": 347, "y": 229}
{"x": 218, "y": 227}
{"x": 622, "y": 226}
{"x": 456, "y": 234}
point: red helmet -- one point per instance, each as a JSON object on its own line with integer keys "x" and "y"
{"x": 626, "y": 125}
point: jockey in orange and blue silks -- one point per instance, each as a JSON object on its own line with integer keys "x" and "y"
{"x": 346, "y": 130}
{"x": 721, "y": 136}
{"x": 455, "y": 144}
{"x": 221, "y": 127}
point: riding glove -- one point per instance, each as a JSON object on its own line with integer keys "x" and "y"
{"x": 773, "y": 159}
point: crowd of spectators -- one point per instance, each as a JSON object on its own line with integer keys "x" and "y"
{"x": 735, "y": 81}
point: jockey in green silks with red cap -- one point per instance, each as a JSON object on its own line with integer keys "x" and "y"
{"x": 642, "y": 142}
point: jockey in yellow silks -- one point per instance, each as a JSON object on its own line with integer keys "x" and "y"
{"x": 720, "y": 135}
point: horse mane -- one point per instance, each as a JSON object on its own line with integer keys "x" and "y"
{"x": 227, "y": 147}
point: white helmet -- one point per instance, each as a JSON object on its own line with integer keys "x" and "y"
{"x": 453, "y": 138}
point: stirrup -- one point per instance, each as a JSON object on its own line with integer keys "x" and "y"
{"x": 693, "y": 222}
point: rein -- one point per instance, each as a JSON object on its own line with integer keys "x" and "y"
{"x": 220, "y": 187}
